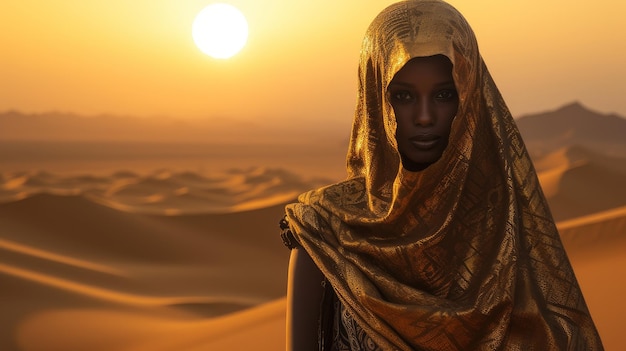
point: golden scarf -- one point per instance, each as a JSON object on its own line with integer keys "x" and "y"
{"x": 463, "y": 255}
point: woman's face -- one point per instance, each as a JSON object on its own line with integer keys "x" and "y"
{"x": 425, "y": 101}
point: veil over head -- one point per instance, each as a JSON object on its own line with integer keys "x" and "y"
{"x": 462, "y": 255}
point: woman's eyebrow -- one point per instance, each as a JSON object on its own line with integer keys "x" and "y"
{"x": 407, "y": 84}
{"x": 450, "y": 82}
{"x": 400, "y": 83}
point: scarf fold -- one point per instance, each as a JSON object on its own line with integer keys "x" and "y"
{"x": 463, "y": 255}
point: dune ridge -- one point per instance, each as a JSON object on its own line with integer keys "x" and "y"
{"x": 595, "y": 234}
{"x": 167, "y": 192}
{"x": 107, "y": 329}
{"x": 578, "y": 181}
{"x": 596, "y": 246}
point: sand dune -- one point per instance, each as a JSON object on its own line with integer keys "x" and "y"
{"x": 135, "y": 256}
{"x": 594, "y": 234}
{"x": 102, "y": 159}
{"x": 596, "y": 245}
{"x": 83, "y": 241}
{"x": 578, "y": 181}
{"x": 102, "y": 263}
{"x": 259, "y": 328}
{"x": 167, "y": 192}
{"x": 84, "y": 275}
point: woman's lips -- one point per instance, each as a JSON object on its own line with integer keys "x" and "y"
{"x": 424, "y": 141}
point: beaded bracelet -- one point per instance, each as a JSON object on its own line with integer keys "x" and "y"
{"x": 286, "y": 235}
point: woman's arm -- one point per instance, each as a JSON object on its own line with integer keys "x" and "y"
{"x": 304, "y": 295}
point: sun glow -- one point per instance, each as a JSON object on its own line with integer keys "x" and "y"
{"x": 220, "y": 30}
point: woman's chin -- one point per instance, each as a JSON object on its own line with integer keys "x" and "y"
{"x": 416, "y": 164}
{"x": 413, "y": 166}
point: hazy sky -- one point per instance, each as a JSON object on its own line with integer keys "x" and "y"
{"x": 138, "y": 58}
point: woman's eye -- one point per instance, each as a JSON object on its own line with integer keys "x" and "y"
{"x": 447, "y": 94}
{"x": 401, "y": 96}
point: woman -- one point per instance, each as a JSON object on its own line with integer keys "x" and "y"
{"x": 440, "y": 238}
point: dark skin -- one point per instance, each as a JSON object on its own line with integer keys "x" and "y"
{"x": 425, "y": 101}
{"x": 304, "y": 295}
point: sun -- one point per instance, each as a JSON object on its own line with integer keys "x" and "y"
{"x": 220, "y": 30}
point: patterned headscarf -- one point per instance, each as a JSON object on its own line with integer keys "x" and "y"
{"x": 462, "y": 255}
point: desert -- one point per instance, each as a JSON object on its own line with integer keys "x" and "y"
{"x": 114, "y": 243}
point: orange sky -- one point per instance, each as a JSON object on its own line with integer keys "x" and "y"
{"x": 138, "y": 58}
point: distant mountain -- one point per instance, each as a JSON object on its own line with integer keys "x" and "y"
{"x": 543, "y": 133}
{"x": 571, "y": 125}
{"x": 68, "y": 127}
{"x": 60, "y": 126}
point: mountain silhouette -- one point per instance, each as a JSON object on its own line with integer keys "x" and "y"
{"x": 571, "y": 125}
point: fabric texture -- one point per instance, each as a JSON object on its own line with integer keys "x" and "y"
{"x": 347, "y": 334}
{"x": 463, "y": 255}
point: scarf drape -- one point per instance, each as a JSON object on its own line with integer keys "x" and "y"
{"x": 463, "y": 255}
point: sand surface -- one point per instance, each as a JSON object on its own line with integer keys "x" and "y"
{"x": 110, "y": 256}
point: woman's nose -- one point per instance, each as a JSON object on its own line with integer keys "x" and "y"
{"x": 424, "y": 115}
